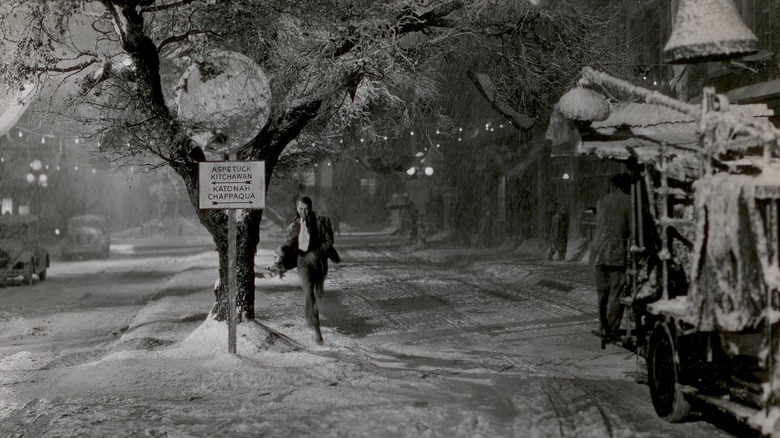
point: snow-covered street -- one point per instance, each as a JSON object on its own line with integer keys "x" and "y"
{"x": 418, "y": 342}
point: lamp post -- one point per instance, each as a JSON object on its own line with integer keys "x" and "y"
{"x": 419, "y": 169}
{"x": 36, "y": 179}
{"x": 36, "y": 174}
{"x": 418, "y": 187}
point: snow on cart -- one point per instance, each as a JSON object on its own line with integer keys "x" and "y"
{"x": 703, "y": 300}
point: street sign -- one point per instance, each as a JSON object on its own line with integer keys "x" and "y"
{"x": 231, "y": 184}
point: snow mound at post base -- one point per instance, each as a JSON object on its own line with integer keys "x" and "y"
{"x": 211, "y": 339}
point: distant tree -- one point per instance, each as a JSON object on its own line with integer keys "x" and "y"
{"x": 357, "y": 70}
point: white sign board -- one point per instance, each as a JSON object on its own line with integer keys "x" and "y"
{"x": 231, "y": 184}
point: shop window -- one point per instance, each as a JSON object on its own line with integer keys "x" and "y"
{"x": 369, "y": 185}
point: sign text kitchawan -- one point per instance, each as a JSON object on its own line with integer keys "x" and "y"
{"x": 231, "y": 184}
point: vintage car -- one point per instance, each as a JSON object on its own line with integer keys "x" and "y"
{"x": 21, "y": 253}
{"x": 86, "y": 237}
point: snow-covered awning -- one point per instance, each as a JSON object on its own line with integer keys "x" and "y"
{"x": 636, "y": 131}
{"x": 13, "y": 103}
{"x": 632, "y": 130}
{"x": 642, "y": 124}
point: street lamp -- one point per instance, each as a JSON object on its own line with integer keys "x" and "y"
{"x": 427, "y": 170}
{"x": 35, "y": 173}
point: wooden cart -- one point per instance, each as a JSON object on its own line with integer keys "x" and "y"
{"x": 703, "y": 302}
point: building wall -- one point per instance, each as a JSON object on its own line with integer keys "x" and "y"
{"x": 360, "y": 196}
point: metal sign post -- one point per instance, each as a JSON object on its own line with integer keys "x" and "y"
{"x": 232, "y": 281}
{"x": 231, "y": 185}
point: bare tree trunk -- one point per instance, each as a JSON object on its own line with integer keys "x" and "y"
{"x": 248, "y": 236}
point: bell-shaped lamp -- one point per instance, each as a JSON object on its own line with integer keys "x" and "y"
{"x": 583, "y": 105}
{"x": 708, "y": 30}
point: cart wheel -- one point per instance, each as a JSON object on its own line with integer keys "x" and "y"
{"x": 663, "y": 377}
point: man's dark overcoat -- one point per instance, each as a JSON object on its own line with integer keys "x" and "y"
{"x": 320, "y": 242}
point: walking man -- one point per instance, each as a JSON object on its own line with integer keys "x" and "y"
{"x": 559, "y": 234}
{"x": 609, "y": 252}
{"x": 311, "y": 237}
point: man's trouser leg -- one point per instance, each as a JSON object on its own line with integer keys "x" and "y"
{"x": 560, "y": 248}
{"x": 319, "y": 288}
{"x": 602, "y": 294}
{"x": 614, "y": 306}
{"x": 307, "y": 274}
{"x": 609, "y": 286}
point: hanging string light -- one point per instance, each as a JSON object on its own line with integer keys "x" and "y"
{"x": 24, "y": 133}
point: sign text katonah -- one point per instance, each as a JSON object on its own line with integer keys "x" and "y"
{"x": 231, "y": 184}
